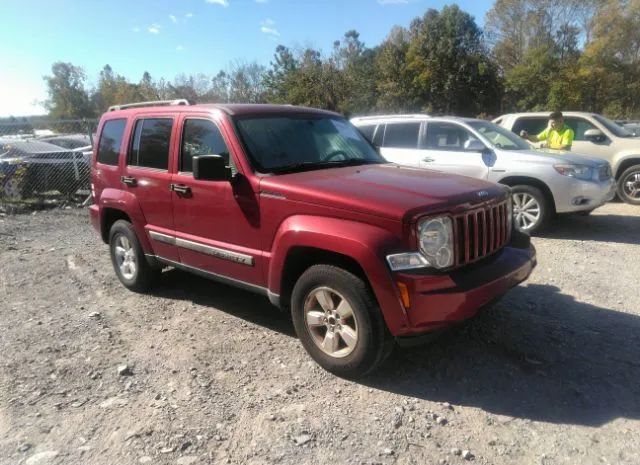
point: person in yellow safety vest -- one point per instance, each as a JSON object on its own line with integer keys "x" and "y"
{"x": 557, "y": 136}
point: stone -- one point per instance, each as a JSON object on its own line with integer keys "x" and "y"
{"x": 302, "y": 439}
{"x": 467, "y": 455}
{"x": 187, "y": 460}
{"x": 456, "y": 451}
{"x": 42, "y": 458}
{"x": 125, "y": 370}
{"x": 145, "y": 459}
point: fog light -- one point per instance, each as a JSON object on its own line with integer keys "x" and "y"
{"x": 580, "y": 201}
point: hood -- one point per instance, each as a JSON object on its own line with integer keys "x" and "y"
{"x": 386, "y": 190}
{"x": 551, "y": 157}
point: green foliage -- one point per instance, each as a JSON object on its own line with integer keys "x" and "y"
{"x": 532, "y": 55}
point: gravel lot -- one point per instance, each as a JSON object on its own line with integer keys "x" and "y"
{"x": 200, "y": 373}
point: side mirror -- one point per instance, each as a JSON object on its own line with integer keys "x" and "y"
{"x": 474, "y": 145}
{"x": 210, "y": 168}
{"x": 594, "y": 135}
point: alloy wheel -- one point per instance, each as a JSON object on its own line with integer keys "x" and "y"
{"x": 631, "y": 185}
{"x": 125, "y": 257}
{"x": 526, "y": 210}
{"x": 331, "y": 322}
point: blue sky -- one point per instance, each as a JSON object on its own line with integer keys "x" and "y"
{"x": 168, "y": 37}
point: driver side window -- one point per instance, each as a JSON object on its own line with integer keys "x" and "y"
{"x": 200, "y": 137}
{"x": 447, "y": 136}
{"x": 579, "y": 126}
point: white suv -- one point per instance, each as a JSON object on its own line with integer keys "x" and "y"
{"x": 542, "y": 183}
{"x": 595, "y": 136}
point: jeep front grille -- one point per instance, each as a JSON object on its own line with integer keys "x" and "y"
{"x": 480, "y": 232}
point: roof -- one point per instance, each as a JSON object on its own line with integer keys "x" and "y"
{"x": 234, "y": 109}
{"x": 378, "y": 118}
{"x": 547, "y": 113}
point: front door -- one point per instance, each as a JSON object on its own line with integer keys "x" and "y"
{"x": 146, "y": 175}
{"x": 583, "y": 146}
{"x": 217, "y": 222}
{"x": 446, "y": 151}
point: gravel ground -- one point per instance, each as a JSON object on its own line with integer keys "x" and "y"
{"x": 200, "y": 373}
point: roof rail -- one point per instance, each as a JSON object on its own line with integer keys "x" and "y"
{"x": 155, "y": 103}
{"x": 378, "y": 117}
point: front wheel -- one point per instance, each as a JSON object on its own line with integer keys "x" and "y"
{"x": 531, "y": 209}
{"x": 629, "y": 185}
{"x": 339, "y": 322}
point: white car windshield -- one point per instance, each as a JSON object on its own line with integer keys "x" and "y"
{"x": 500, "y": 137}
{"x": 615, "y": 128}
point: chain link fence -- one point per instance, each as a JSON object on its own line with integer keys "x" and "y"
{"x": 45, "y": 163}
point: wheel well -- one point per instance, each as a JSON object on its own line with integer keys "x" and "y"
{"x": 625, "y": 164}
{"x": 519, "y": 180}
{"x": 111, "y": 215}
{"x": 299, "y": 259}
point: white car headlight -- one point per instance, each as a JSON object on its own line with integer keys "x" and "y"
{"x": 582, "y": 172}
{"x": 435, "y": 238}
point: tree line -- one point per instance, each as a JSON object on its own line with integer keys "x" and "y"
{"x": 531, "y": 55}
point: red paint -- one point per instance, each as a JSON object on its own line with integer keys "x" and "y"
{"x": 364, "y": 212}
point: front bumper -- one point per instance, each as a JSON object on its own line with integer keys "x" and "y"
{"x": 439, "y": 300}
{"x": 577, "y": 195}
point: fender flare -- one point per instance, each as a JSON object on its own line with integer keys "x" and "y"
{"x": 364, "y": 243}
{"x": 125, "y": 202}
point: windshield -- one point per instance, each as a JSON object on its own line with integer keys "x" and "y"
{"x": 499, "y": 137}
{"x": 615, "y": 128}
{"x": 301, "y": 142}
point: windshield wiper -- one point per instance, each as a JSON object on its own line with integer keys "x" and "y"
{"x": 309, "y": 165}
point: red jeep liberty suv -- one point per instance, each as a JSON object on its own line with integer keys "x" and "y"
{"x": 295, "y": 204}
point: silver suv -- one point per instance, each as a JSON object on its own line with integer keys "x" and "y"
{"x": 595, "y": 136}
{"x": 542, "y": 183}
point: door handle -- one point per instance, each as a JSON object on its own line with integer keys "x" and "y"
{"x": 128, "y": 180}
{"x": 428, "y": 159}
{"x": 180, "y": 188}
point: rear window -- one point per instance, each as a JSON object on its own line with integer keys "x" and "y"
{"x": 110, "y": 141}
{"x": 150, "y": 145}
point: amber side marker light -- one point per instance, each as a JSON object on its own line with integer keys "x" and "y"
{"x": 404, "y": 294}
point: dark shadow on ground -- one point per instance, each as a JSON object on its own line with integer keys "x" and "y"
{"x": 254, "y": 308}
{"x": 603, "y": 228}
{"x": 538, "y": 354}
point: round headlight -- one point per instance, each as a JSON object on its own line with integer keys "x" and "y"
{"x": 436, "y": 241}
{"x": 433, "y": 236}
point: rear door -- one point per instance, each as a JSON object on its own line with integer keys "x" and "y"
{"x": 217, "y": 222}
{"x": 445, "y": 150}
{"x": 400, "y": 142}
{"x": 146, "y": 175}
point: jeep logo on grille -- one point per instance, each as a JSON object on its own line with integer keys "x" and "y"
{"x": 483, "y": 194}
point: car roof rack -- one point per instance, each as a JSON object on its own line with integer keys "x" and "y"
{"x": 155, "y": 103}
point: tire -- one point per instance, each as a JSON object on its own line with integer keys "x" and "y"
{"x": 541, "y": 208}
{"x": 629, "y": 185}
{"x": 372, "y": 343}
{"x": 138, "y": 276}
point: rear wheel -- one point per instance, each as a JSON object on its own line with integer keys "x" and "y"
{"x": 128, "y": 259}
{"x": 531, "y": 209}
{"x": 339, "y": 322}
{"x": 629, "y": 185}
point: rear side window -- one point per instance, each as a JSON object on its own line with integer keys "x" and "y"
{"x": 533, "y": 126}
{"x": 110, "y": 141}
{"x": 201, "y": 137}
{"x": 401, "y": 135}
{"x": 150, "y": 145}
